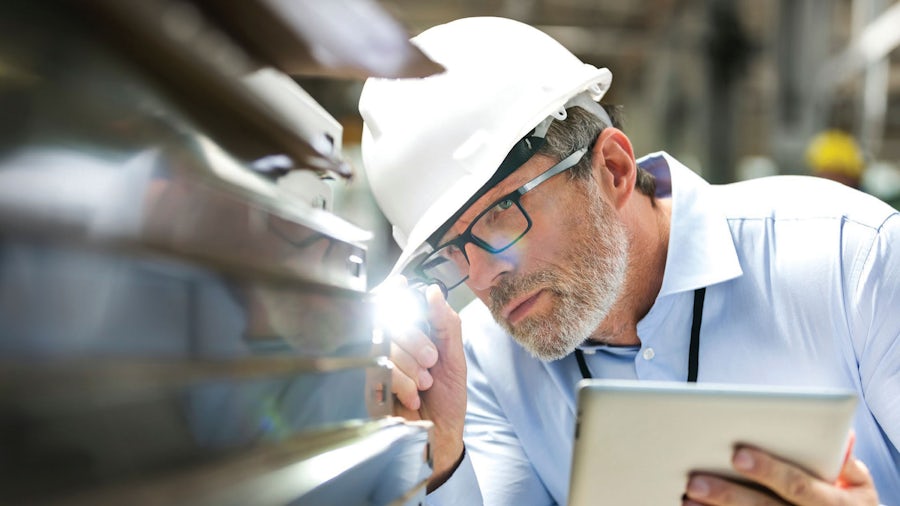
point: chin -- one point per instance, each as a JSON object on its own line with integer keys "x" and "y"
{"x": 540, "y": 340}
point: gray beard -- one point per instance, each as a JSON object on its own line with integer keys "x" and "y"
{"x": 583, "y": 294}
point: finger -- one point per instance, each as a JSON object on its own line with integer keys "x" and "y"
{"x": 714, "y": 491}
{"x": 409, "y": 366}
{"x": 415, "y": 343}
{"x": 445, "y": 322}
{"x": 403, "y": 411}
{"x": 440, "y": 314}
{"x": 790, "y": 482}
{"x": 404, "y": 388}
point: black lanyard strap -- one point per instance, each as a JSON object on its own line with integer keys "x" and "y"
{"x": 693, "y": 351}
{"x": 585, "y": 372}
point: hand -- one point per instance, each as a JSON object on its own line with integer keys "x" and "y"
{"x": 788, "y": 484}
{"x": 429, "y": 380}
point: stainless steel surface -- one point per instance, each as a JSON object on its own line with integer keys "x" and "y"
{"x": 338, "y": 38}
{"x": 176, "y": 325}
{"x": 383, "y": 458}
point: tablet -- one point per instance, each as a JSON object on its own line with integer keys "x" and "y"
{"x": 636, "y": 442}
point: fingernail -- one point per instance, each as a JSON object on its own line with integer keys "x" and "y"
{"x": 425, "y": 379}
{"x": 743, "y": 460}
{"x": 698, "y": 487}
{"x": 428, "y": 356}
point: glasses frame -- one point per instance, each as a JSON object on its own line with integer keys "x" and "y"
{"x": 467, "y": 237}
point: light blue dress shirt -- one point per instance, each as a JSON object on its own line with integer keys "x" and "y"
{"x": 803, "y": 289}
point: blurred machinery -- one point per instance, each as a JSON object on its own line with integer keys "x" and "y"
{"x": 177, "y": 324}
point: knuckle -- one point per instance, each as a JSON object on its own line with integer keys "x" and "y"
{"x": 796, "y": 484}
{"x": 401, "y": 384}
{"x": 403, "y": 339}
{"x": 448, "y": 318}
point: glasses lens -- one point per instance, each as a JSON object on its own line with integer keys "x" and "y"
{"x": 501, "y": 225}
{"x": 447, "y": 265}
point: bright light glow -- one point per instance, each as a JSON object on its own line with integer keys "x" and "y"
{"x": 398, "y": 310}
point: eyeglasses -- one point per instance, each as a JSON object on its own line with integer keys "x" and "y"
{"x": 497, "y": 228}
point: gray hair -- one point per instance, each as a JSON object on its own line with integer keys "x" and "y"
{"x": 580, "y": 129}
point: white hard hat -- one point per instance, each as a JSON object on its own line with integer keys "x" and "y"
{"x": 429, "y": 144}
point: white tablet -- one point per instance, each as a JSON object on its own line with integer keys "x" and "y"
{"x": 636, "y": 442}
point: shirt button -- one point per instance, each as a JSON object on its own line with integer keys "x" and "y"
{"x": 648, "y": 354}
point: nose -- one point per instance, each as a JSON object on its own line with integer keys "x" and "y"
{"x": 485, "y": 268}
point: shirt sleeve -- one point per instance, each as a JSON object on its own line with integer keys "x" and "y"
{"x": 874, "y": 315}
{"x": 877, "y": 327}
{"x": 460, "y": 488}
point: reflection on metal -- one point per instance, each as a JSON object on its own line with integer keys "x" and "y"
{"x": 201, "y": 69}
{"x": 337, "y": 38}
{"x": 186, "y": 198}
{"x": 382, "y": 457}
{"x": 175, "y": 326}
{"x": 298, "y": 109}
{"x": 57, "y": 380}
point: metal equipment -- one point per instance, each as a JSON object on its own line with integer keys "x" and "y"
{"x": 175, "y": 326}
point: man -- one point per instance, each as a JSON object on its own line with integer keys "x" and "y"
{"x": 503, "y": 173}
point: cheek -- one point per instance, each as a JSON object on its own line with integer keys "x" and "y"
{"x": 556, "y": 232}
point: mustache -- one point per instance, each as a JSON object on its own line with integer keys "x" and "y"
{"x": 512, "y": 287}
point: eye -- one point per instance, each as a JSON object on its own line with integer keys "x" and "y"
{"x": 497, "y": 213}
{"x": 450, "y": 252}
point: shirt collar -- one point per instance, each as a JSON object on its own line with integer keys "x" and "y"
{"x": 701, "y": 249}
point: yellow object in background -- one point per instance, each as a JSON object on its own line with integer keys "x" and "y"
{"x": 835, "y": 152}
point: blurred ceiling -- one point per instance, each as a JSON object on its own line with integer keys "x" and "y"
{"x": 714, "y": 82}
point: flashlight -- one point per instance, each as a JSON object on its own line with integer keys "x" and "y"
{"x": 401, "y": 308}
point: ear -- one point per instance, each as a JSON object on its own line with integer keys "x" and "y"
{"x": 614, "y": 164}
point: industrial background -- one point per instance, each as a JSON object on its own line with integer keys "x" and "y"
{"x": 735, "y": 88}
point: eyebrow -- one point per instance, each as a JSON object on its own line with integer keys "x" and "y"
{"x": 523, "y": 188}
{"x": 445, "y": 239}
